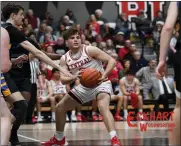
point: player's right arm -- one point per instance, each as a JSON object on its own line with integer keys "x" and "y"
{"x": 66, "y": 79}
{"x": 5, "y": 59}
{"x": 18, "y": 37}
{"x": 123, "y": 89}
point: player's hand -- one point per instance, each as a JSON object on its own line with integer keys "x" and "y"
{"x": 21, "y": 59}
{"x": 161, "y": 69}
{"x": 78, "y": 74}
{"x": 102, "y": 79}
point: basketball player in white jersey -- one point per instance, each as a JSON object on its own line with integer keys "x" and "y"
{"x": 129, "y": 84}
{"x": 80, "y": 57}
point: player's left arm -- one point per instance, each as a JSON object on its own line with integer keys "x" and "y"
{"x": 137, "y": 88}
{"x": 167, "y": 30}
{"x": 98, "y": 54}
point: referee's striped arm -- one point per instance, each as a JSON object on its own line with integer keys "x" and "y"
{"x": 4, "y": 87}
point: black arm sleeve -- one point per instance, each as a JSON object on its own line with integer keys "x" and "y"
{"x": 16, "y": 36}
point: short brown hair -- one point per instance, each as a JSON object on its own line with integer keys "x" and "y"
{"x": 71, "y": 31}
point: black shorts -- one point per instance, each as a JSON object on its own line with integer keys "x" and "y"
{"x": 177, "y": 78}
{"x": 19, "y": 84}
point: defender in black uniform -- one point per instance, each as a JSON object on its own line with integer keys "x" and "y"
{"x": 174, "y": 13}
{"x": 17, "y": 78}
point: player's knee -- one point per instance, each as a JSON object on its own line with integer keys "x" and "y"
{"x": 20, "y": 109}
{"x": 139, "y": 98}
{"x": 102, "y": 107}
{"x": 52, "y": 99}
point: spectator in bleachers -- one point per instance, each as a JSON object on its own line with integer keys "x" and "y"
{"x": 60, "y": 30}
{"x": 156, "y": 36}
{"x": 126, "y": 65}
{"x": 79, "y": 28}
{"x": 25, "y": 22}
{"x": 143, "y": 24}
{"x": 166, "y": 91}
{"x": 49, "y": 49}
{"x": 45, "y": 95}
{"x": 48, "y": 19}
{"x": 119, "y": 40}
{"x": 129, "y": 56}
{"x": 130, "y": 87}
{"x": 66, "y": 22}
{"x": 90, "y": 33}
{"x": 173, "y": 41}
{"x": 100, "y": 19}
{"x": 59, "y": 90}
{"x": 110, "y": 46}
{"x": 32, "y": 19}
{"x": 123, "y": 25}
{"x": 60, "y": 47}
{"x": 124, "y": 50}
{"x": 147, "y": 77}
{"x": 138, "y": 62}
{"x": 93, "y": 22}
{"x": 49, "y": 34}
{"x": 159, "y": 17}
{"x": 103, "y": 46}
{"x": 42, "y": 30}
{"x": 71, "y": 15}
{"x": 107, "y": 32}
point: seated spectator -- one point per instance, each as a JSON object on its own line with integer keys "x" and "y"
{"x": 59, "y": 90}
{"x": 126, "y": 65}
{"x": 71, "y": 16}
{"x": 167, "y": 91}
{"x": 138, "y": 62}
{"x": 25, "y": 22}
{"x": 110, "y": 46}
{"x": 66, "y": 22}
{"x": 60, "y": 47}
{"x": 156, "y": 36}
{"x": 32, "y": 19}
{"x": 123, "y": 25}
{"x": 49, "y": 32}
{"x": 93, "y": 22}
{"x": 147, "y": 76}
{"x": 44, "y": 95}
{"x": 107, "y": 32}
{"x": 103, "y": 46}
{"x": 49, "y": 49}
{"x": 60, "y": 30}
{"x": 41, "y": 31}
{"x": 119, "y": 40}
{"x": 159, "y": 17}
{"x": 100, "y": 19}
{"x": 48, "y": 19}
{"x": 90, "y": 34}
{"x": 80, "y": 31}
{"x": 143, "y": 24}
{"x": 130, "y": 87}
{"x": 129, "y": 56}
{"x": 124, "y": 50}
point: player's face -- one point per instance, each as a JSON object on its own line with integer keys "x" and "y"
{"x": 74, "y": 41}
{"x": 18, "y": 18}
{"x": 130, "y": 77}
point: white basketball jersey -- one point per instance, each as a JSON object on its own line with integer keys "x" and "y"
{"x": 58, "y": 88}
{"x": 82, "y": 61}
{"x": 130, "y": 87}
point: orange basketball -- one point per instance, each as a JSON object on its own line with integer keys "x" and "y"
{"x": 90, "y": 77}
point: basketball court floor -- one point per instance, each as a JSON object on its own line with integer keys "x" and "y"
{"x": 93, "y": 134}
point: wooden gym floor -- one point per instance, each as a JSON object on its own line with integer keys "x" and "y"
{"x": 93, "y": 134}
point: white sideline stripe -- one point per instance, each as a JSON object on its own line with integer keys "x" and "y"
{"x": 28, "y": 138}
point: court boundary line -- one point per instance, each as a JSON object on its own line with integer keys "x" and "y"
{"x": 29, "y": 138}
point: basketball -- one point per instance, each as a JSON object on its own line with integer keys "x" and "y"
{"x": 90, "y": 77}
